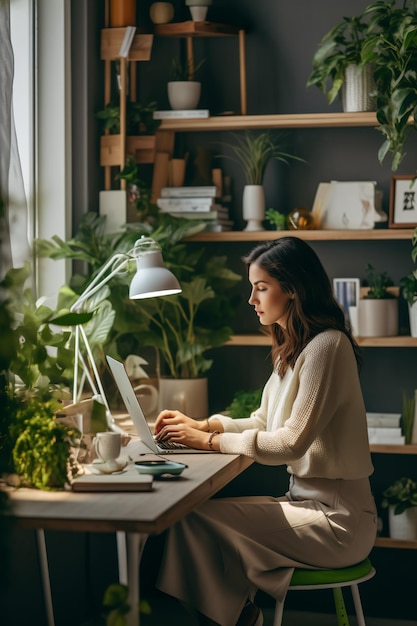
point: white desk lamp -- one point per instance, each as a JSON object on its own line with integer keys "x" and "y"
{"x": 151, "y": 279}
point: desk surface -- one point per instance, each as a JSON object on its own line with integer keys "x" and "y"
{"x": 146, "y": 512}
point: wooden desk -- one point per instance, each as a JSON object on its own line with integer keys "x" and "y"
{"x": 132, "y": 516}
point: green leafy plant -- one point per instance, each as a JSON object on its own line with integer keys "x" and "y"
{"x": 139, "y": 118}
{"x": 277, "y": 219}
{"x": 378, "y": 283}
{"x": 139, "y": 192}
{"x": 401, "y": 495}
{"x": 340, "y": 47}
{"x": 408, "y": 409}
{"x": 181, "y": 328}
{"x": 408, "y": 284}
{"x": 181, "y": 71}
{"x": 253, "y": 151}
{"x": 244, "y": 403}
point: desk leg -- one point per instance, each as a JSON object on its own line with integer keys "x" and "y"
{"x": 129, "y": 553}
{"x": 46, "y": 583}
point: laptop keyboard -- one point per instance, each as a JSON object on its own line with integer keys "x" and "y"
{"x": 170, "y": 445}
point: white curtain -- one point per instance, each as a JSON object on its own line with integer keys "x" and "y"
{"x": 14, "y": 245}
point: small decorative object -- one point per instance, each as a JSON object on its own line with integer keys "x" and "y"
{"x": 253, "y": 152}
{"x": 401, "y": 500}
{"x": 378, "y": 310}
{"x": 122, "y": 13}
{"x": 357, "y": 89}
{"x": 346, "y": 205}
{"x": 277, "y": 219}
{"x": 161, "y": 12}
{"x": 403, "y": 202}
{"x": 301, "y": 219}
{"x": 347, "y": 293}
{"x": 408, "y": 288}
{"x": 198, "y": 9}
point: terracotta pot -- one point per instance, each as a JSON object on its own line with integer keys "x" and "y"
{"x": 122, "y": 13}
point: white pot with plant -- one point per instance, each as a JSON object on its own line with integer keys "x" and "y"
{"x": 400, "y": 499}
{"x": 183, "y": 91}
{"x": 253, "y": 151}
{"x": 378, "y": 310}
{"x": 408, "y": 288}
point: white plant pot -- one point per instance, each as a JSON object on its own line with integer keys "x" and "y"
{"x": 403, "y": 526}
{"x": 253, "y": 207}
{"x": 357, "y": 88}
{"x": 188, "y": 395}
{"x": 412, "y": 311}
{"x": 184, "y": 94}
{"x": 378, "y": 317}
{"x": 198, "y": 14}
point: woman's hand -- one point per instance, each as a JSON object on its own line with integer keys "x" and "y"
{"x": 177, "y": 427}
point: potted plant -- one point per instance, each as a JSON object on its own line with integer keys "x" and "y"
{"x": 401, "y": 500}
{"x": 277, "y": 219}
{"x": 253, "y": 151}
{"x": 408, "y": 288}
{"x": 183, "y": 90}
{"x": 338, "y": 65}
{"x": 384, "y": 38}
{"x": 182, "y": 328}
{"x": 378, "y": 309}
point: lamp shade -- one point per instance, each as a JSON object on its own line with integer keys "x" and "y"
{"x": 152, "y": 278}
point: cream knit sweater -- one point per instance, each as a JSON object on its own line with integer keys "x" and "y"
{"x": 313, "y": 419}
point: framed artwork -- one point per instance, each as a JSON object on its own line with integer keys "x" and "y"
{"x": 347, "y": 293}
{"x": 403, "y": 202}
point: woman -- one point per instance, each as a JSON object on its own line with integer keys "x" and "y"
{"x": 312, "y": 419}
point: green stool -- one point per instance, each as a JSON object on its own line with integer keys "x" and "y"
{"x": 309, "y": 579}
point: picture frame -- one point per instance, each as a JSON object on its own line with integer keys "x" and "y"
{"x": 403, "y": 202}
{"x": 347, "y": 293}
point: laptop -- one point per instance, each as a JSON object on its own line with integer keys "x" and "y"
{"x": 141, "y": 425}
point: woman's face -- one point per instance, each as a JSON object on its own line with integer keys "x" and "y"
{"x": 269, "y": 300}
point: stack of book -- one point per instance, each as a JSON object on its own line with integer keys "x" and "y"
{"x": 385, "y": 428}
{"x": 199, "y": 203}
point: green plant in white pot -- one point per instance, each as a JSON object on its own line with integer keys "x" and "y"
{"x": 401, "y": 500}
{"x": 184, "y": 90}
{"x": 253, "y": 152}
{"x": 338, "y": 65}
{"x": 378, "y": 309}
{"x": 408, "y": 288}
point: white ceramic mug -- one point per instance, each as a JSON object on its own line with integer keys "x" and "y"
{"x": 107, "y": 445}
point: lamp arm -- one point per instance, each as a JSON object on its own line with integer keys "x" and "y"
{"x": 96, "y": 284}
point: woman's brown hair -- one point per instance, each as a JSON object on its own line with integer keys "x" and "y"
{"x": 312, "y": 310}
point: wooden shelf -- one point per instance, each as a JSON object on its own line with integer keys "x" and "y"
{"x": 387, "y": 542}
{"x": 195, "y": 29}
{"x": 112, "y": 39}
{"x": 387, "y": 449}
{"x": 376, "y": 234}
{"x": 254, "y": 122}
{"x": 365, "y": 342}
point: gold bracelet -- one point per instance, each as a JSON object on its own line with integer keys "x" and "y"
{"x": 210, "y": 441}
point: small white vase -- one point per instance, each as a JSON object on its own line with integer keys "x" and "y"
{"x": 403, "y": 526}
{"x": 198, "y": 13}
{"x": 184, "y": 94}
{"x": 253, "y": 207}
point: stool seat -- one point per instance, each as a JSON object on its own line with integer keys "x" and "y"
{"x": 310, "y": 579}
{"x": 333, "y": 576}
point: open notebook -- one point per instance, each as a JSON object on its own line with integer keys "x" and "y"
{"x": 135, "y": 411}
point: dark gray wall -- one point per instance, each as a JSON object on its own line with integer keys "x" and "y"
{"x": 281, "y": 39}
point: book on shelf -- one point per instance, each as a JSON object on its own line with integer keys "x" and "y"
{"x": 175, "y": 114}
{"x": 216, "y": 214}
{"x": 200, "y": 191}
{"x": 383, "y": 420}
{"x": 185, "y": 204}
{"x": 391, "y": 436}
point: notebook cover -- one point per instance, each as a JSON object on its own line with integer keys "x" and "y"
{"x": 127, "y": 481}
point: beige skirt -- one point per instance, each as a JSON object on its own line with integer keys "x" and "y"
{"x": 221, "y": 554}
